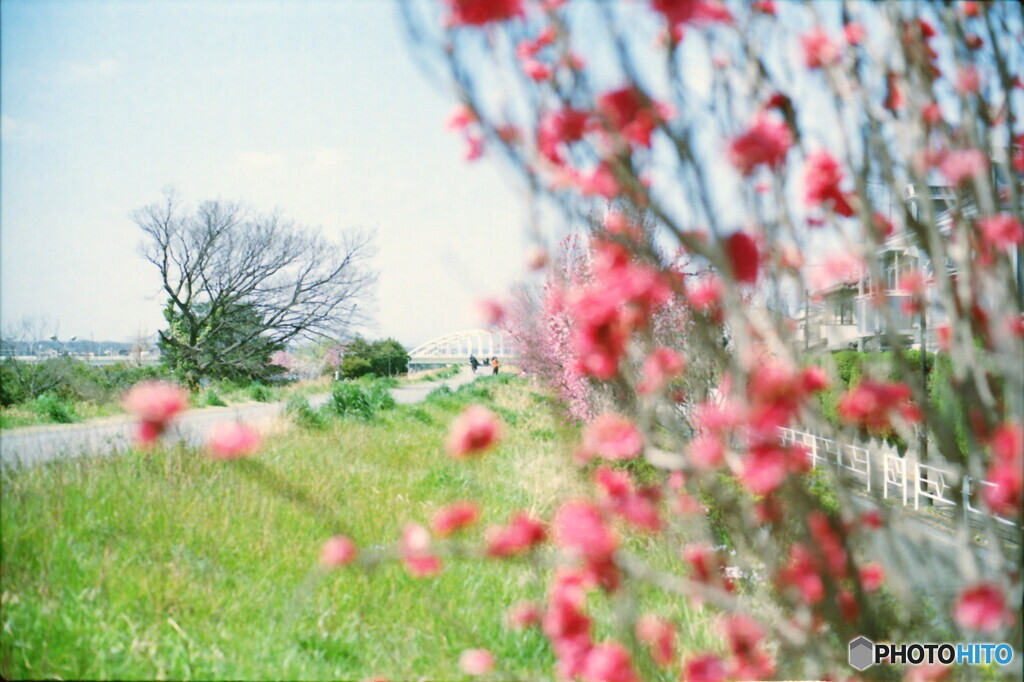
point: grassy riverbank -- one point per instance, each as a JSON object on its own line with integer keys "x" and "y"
{"x": 167, "y": 564}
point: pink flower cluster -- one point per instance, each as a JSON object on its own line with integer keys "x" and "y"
{"x": 872, "y": 405}
{"x": 522, "y": 534}
{"x": 416, "y": 552}
{"x": 568, "y": 627}
{"x": 475, "y": 431}
{"x": 156, "y": 404}
{"x": 455, "y": 517}
{"x": 982, "y": 607}
{"x": 1006, "y": 471}
{"x": 476, "y": 662}
{"x": 621, "y": 497}
{"x": 481, "y": 12}
{"x": 232, "y": 440}
{"x": 338, "y": 551}
{"x": 765, "y": 143}
{"x": 620, "y": 299}
{"x": 822, "y": 177}
{"x": 612, "y": 436}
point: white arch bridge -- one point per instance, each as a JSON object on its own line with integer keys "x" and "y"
{"x": 456, "y": 348}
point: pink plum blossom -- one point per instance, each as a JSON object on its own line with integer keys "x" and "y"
{"x": 455, "y": 517}
{"x": 962, "y": 165}
{"x": 765, "y": 143}
{"x": 480, "y": 12}
{"x": 819, "y": 48}
{"x": 155, "y": 403}
{"x": 1001, "y": 231}
{"x": 338, "y": 551}
{"x": 982, "y": 607}
{"x": 608, "y": 662}
{"x": 231, "y": 440}
{"x": 521, "y": 534}
{"x": 523, "y": 614}
{"x": 580, "y": 528}
{"x": 491, "y": 311}
{"x": 612, "y": 436}
{"x": 659, "y": 367}
{"x": 744, "y": 257}
{"x": 473, "y": 432}
{"x": 660, "y": 637}
{"x": 822, "y": 177}
{"x": 678, "y": 12}
{"x": 704, "y": 668}
{"x": 476, "y": 661}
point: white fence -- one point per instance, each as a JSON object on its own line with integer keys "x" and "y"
{"x": 902, "y": 478}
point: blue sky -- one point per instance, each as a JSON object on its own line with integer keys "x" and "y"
{"x": 313, "y": 108}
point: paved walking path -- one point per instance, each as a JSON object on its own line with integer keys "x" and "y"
{"x": 37, "y": 444}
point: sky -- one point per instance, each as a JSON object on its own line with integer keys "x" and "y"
{"x": 313, "y": 108}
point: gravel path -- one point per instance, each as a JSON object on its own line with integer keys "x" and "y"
{"x": 38, "y": 444}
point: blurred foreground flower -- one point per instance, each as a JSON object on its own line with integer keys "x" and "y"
{"x": 473, "y": 432}
{"x": 338, "y": 551}
{"x": 155, "y": 403}
{"x": 476, "y": 661}
{"x": 982, "y": 607}
{"x": 232, "y": 440}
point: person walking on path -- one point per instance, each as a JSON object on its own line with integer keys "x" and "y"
{"x": 473, "y": 363}
{"x": 494, "y": 364}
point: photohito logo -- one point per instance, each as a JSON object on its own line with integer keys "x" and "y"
{"x": 864, "y": 653}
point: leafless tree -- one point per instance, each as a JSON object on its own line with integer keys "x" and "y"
{"x": 240, "y": 282}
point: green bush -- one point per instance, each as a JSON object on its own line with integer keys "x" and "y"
{"x": 819, "y": 485}
{"x": 211, "y": 399}
{"x": 849, "y": 366}
{"x": 303, "y": 415}
{"x": 52, "y": 407}
{"x": 353, "y": 367}
{"x": 258, "y": 391}
{"x": 12, "y": 389}
{"x": 71, "y": 379}
{"x": 362, "y": 399}
{"x": 379, "y": 395}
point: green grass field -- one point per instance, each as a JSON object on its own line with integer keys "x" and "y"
{"x": 169, "y": 565}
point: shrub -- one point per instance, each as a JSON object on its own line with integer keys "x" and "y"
{"x": 259, "y": 392}
{"x": 379, "y": 395}
{"x": 362, "y": 399}
{"x": 303, "y": 415}
{"x": 348, "y": 399}
{"x": 211, "y": 399}
{"x": 52, "y": 407}
{"x": 353, "y": 367}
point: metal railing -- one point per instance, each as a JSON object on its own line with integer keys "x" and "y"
{"x": 903, "y": 478}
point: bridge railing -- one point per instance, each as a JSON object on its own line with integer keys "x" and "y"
{"x": 903, "y": 478}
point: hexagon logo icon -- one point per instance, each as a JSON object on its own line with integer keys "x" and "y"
{"x": 862, "y": 653}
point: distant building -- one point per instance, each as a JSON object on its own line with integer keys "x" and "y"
{"x": 849, "y": 315}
